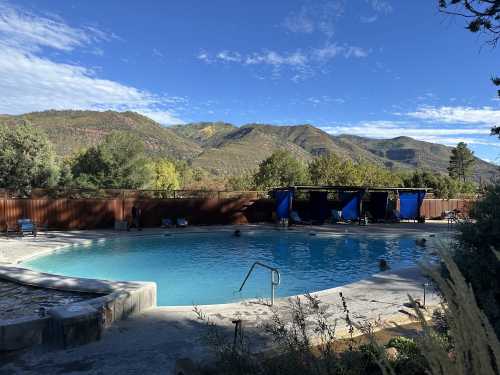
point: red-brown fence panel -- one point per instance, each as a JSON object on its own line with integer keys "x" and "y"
{"x": 434, "y": 208}
{"x": 198, "y": 209}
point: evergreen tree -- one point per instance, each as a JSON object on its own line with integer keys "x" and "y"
{"x": 461, "y": 162}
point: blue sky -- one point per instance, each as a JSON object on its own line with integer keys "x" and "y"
{"x": 377, "y": 68}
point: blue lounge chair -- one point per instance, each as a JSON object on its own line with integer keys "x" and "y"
{"x": 296, "y": 219}
{"x": 26, "y": 226}
{"x": 166, "y": 223}
{"x": 182, "y": 222}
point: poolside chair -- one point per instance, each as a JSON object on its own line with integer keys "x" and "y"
{"x": 336, "y": 216}
{"x": 455, "y": 217}
{"x": 182, "y": 222}
{"x": 396, "y": 216}
{"x": 26, "y": 226}
{"x": 166, "y": 223}
{"x": 296, "y": 219}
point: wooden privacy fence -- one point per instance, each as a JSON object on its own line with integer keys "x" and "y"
{"x": 433, "y": 208}
{"x": 217, "y": 208}
{"x": 57, "y": 213}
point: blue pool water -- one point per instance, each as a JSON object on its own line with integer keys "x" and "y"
{"x": 208, "y": 268}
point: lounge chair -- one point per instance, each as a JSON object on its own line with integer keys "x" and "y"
{"x": 336, "y": 216}
{"x": 396, "y": 216}
{"x": 166, "y": 223}
{"x": 295, "y": 218}
{"x": 455, "y": 217}
{"x": 182, "y": 222}
{"x": 26, "y": 226}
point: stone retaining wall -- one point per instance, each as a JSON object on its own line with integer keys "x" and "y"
{"x": 76, "y": 323}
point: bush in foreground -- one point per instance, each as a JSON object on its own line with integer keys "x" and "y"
{"x": 460, "y": 340}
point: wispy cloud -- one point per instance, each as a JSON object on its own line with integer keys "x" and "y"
{"x": 377, "y": 8}
{"x": 25, "y": 30}
{"x": 380, "y": 6}
{"x": 324, "y": 99}
{"x": 319, "y": 16}
{"x": 157, "y": 53}
{"x": 444, "y": 125}
{"x": 486, "y": 116}
{"x": 391, "y": 129}
{"x": 368, "y": 19}
{"x": 303, "y": 62}
{"x": 35, "y": 83}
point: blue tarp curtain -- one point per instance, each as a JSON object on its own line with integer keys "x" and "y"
{"x": 283, "y": 203}
{"x": 318, "y": 205}
{"x": 409, "y": 204}
{"x": 350, "y": 205}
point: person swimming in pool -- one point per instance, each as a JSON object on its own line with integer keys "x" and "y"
{"x": 421, "y": 242}
{"x": 383, "y": 265}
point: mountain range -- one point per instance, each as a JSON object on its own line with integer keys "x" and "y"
{"x": 224, "y": 149}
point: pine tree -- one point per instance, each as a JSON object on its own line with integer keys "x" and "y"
{"x": 461, "y": 162}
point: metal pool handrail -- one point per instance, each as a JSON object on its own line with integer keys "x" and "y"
{"x": 274, "y": 283}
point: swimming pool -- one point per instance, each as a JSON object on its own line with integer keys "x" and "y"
{"x": 208, "y": 268}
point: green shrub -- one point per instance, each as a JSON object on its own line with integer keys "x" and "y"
{"x": 407, "y": 347}
{"x": 475, "y": 255}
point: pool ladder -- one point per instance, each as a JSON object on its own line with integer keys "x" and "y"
{"x": 274, "y": 281}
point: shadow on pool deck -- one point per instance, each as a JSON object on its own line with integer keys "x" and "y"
{"x": 151, "y": 342}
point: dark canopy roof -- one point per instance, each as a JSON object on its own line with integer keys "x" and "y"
{"x": 336, "y": 188}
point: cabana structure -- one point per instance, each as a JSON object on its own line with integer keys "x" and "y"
{"x": 353, "y": 201}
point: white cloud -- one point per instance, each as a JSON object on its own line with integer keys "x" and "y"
{"x": 303, "y": 63}
{"x": 325, "y": 99}
{"x": 449, "y": 136}
{"x": 31, "y": 82}
{"x": 486, "y": 116}
{"x": 27, "y": 31}
{"x": 229, "y": 56}
{"x": 319, "y": 16}
{"x": 156, "y": 52}
{"x": 371, "y": 19}
{"x": 276, "y": 59}
{"x": 299, "y": 22}
{"x": 380, "y": 6}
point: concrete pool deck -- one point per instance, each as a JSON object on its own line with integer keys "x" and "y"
{"x": 152, "y": 340}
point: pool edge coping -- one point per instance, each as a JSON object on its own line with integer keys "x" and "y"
{"x": 120, "y": 299}
{"x": 57, "y": 326}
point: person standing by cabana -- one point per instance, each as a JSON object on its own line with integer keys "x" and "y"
{"x": 136, "y": 218}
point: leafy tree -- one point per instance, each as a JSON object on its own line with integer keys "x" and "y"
{"x": 27, "y": 159}
{"x": 325, "y": 169}
{"x": 281, "y": 169}
{"x": 193, "y": 178}
{"x": 441, "y": 185}
{"x": 243, "y": 182}
{"x": 331, "y": 170}
{"x": 119, "y": 162}
{"x": 461, "y": 162}
{"x": 164, "y": 175}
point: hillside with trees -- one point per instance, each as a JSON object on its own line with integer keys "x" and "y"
{"x": 211, "y": 154}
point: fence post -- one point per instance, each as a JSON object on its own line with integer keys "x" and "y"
{"x": 5, "y": 209}
{"x": 122, "y": 197}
